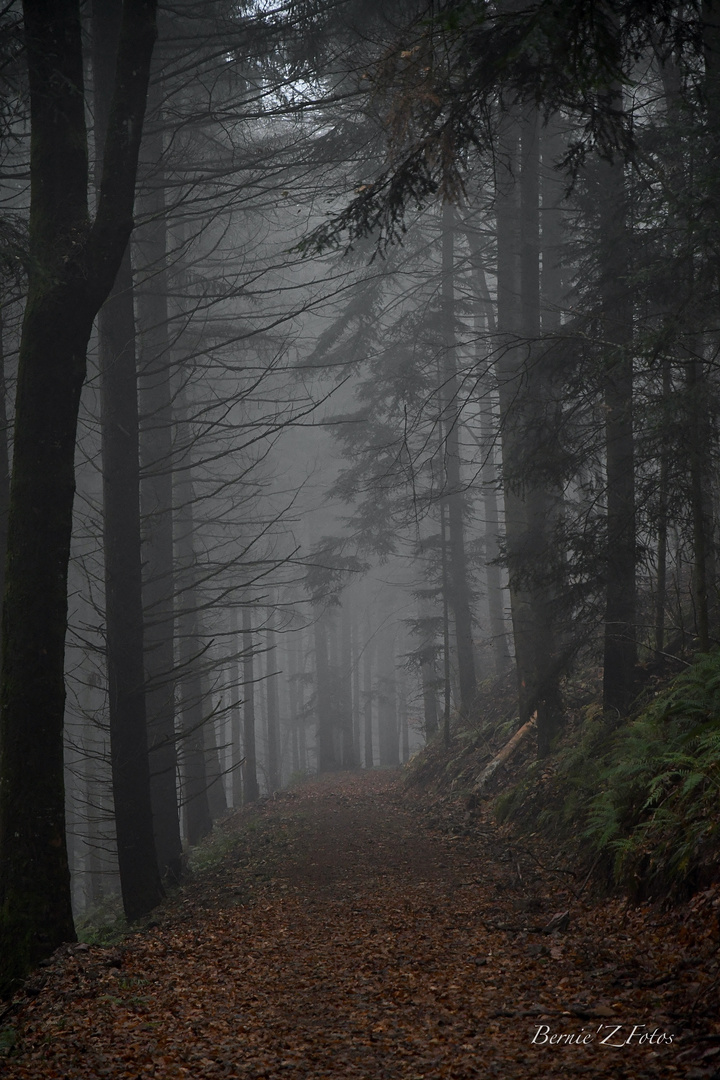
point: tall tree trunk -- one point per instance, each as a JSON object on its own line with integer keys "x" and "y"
{"x": 367, "y": 710}
{"x": 293, "y": 698}
{"x": 459, "y": 582}
{"x": 273, "y": 705}
{"x": 541, "y": 499}
{"x": 662, "y": 534}
{"x": 235, "y": 716}
{"x": 195, "y": 790}
{"x": 137, "y": 858}
{"x": 327, "y": 760}
{"x": 345, "y": 667}
{"x": 73, "y": 264}
{"x": 700, "y": 454}
{"x": 428, "y": 675}
{"x": 4, "y": 461}
{"x": 486, "y": 327}
{"x": 387, "y": 699}
{"x": 156, "y": 448}
{"x": 509, "y": 375}
{"x": 620, "y": 648}
{"x": 251, "y": 790}
{"x": 217, "y": 800}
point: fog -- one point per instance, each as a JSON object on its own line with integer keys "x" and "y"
{"x": 423, "y": 401}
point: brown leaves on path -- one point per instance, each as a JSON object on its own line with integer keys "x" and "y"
{"x": 355, "y": 931}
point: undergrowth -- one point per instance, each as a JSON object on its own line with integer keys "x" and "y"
{"x": 642, "y": 801}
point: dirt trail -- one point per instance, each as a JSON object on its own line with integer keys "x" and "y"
{"x": 356, "y": 931}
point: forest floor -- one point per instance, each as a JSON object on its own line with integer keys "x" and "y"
{"x": 354, "y": 928}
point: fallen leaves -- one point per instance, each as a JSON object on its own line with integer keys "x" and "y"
{"x": 342, "y": 937}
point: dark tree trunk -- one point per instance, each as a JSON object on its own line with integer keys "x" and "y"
{"x": 367, "y": 710}
{"x": 700, "y": 454}
{"x": 4, "y": 462}
{"x": 293, "y": 699}
{"x": 251, "y": 791}
{"x": 156, "y": 449}
{"x": 662, "y": 534}
{"x": 273, "y": 706}
{"x": 190, "y": 653}
{"x": 541, "y": 498}
{"x": 458, "y": 573}
{"x": 345, "y": 668}
{"x": 235, "y": 716}
{"x": 387, "y": 700}
{"x": 620, "y": 648}
{"x": 511, "y": 391}
{"x": 137, "y": 861}
{"x": 73, "y": 264}
{"x": 217, "y": 801}
{"x": 327, "y": 760}
{"x": 428, "y": 674}
{"x": 485, "y": 321}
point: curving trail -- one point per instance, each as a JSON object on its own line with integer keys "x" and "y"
{"x": 354, "y": 930}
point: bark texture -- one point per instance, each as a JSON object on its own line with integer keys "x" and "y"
{"x": 73, "y": 265}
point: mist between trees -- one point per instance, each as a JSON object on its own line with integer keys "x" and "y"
{"x": 404, "y": 381}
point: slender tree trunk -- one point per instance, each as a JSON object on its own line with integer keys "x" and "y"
{"x": 157, "y": 491}
{"x": 72, "y": 267}
{"x": 355, "y": 688}
{"x": 251, "y": 791}
{"x": 217, "y": 800}
{"x": 509, "y": 367}
{"x": 541, "y": 498}
{"x": 327, "y": 760}
{"x": 620, "y": 649}
{"x": 273, "y": 705}
{"x": 349, "y": 760}
{"x": 293, "y": 688}
{"x": 4, "y": 462}
{"x": 485, "y": 323}
{"x": 428, "y": 674}
{"x": 459, "y": 581}
{"x": 235, "y": 717}
{"x": 700, "y": 441}
{"x": 195, "y": 791}
{"x": 368, "y": 697}
{"x": 662, "y": 536}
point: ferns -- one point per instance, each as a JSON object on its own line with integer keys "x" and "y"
{"x": 657, "y": 809}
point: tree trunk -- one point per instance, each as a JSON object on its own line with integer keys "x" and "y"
{"x": 4, "y": 462}
{"x": 345, "y": 667}
{"x": 156, "y": 447}
{"x": 273, "y": 705}
{"x": 367, "y": 710}
{"x": 509, "y": 375}
{"x": 72, "y": 267}
{"x": 458, "y": 575}
{"x": 485, "y": 322}
{"x": 235, "y": 717}
{"x": 190, "y": 653}
{"x": 137, "y": 860}
{"x": 327, "y": 760}
{"x": 251, "y": 791}
{"x": 620, "y": 647}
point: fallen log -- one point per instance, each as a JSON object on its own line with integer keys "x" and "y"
{"x": 507, "y": 750}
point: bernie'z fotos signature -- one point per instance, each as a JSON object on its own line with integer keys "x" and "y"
{"x": 605, "y": 1035}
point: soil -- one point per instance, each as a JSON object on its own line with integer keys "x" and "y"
{"x": 354, "y": 928}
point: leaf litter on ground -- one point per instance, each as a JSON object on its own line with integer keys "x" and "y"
{"x": 353, "y": 928}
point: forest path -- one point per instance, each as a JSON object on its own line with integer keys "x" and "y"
{"x": 353, "y": 929}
